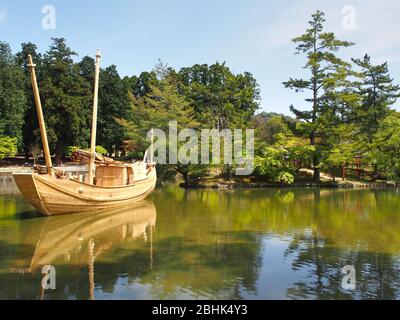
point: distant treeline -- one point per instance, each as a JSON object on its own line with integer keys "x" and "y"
{"x": 349, "y": 120}
{"x": 216, "y": 95}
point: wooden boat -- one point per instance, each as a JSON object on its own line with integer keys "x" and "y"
{"x": 108, "y": 184}
{"x": 53, "y": 196}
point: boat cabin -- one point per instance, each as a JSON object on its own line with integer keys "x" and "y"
{"x": 113, "y": 176}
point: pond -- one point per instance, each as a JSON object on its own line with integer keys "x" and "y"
{"x": 207, "y": 244}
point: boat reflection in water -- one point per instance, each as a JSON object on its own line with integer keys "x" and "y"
{"x": 64, "y": 239}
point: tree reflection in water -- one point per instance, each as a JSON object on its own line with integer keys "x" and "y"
{"x": 275, "y": 243}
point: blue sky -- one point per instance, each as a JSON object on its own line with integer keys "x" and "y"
{"x": 251, "y": 35}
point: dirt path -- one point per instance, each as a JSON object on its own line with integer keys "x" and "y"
{"x": 348, "y": 182}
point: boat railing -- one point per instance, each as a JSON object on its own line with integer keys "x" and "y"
{"x": 69, "y": 169}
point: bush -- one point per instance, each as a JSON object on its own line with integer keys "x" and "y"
{"x": 8, "y": 147}
{"x": 71, "y": 149}
{"x": 273, "y": 164}
{"x": 285, "y": 177}
{"x": 68, "y": 151}
{"x": 101, "y": 150}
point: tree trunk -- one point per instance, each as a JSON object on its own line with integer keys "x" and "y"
{"x": 58, "y": 153}
{"x": 186, "y": 178}
{"x": 375, "y": 174}
{"x": 344, "y": 172}
{"x": 316, "y": 176}
{"x": 26, "y": 153}
{"x": 228, "y": 172}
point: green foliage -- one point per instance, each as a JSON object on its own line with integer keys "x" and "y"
{"x": 196, "y": 97}
{"x": 114, "y": 103}
{"x": 101, "y": 150}
{"x": 386, "y": 148}
{"x": 285, "y": 177}
{"x": 273, "y": 164}
{"x": 12, "y": 95}
{"x": 156, "y": 109}
{"x": 66, "y": 98}
{"x": 281, "y": 161}
{"x": 340, "y": 148}
{"x": 8, "y": 147}
{"x": 31, "y": 133}
{"x": 347, "y": 106}
{"x": 139, "y": 86}
{"x": 270, "y": 124}
{"x": 69, "y": 150}
{"x": 220, "y": 98}
{"x": 377, "y": 93}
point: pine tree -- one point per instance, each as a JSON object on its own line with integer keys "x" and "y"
{"x": 66, "y": 98}
{"x": 156, "y": 109}
{"x": 377, "y": 93}
{"x": 326, "y": 73}
{"x": 114, "y": 103}
{"x": 31, "y": 134}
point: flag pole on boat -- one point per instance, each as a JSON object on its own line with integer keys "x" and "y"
{"x": 94, "y": 119}
{"x": 39, "y": 111}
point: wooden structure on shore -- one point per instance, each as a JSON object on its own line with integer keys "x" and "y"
{"x": 109, "y": 183}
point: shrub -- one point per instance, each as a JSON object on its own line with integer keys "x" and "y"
{"x": 8, "y": 147}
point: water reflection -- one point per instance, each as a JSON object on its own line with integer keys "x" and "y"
{"x": 72, "y": 244}
{"x": 61, "y": 235}
{"x": 263, "y": 244}
{"x": 300, "y": 237}
{"x": 378, "y": 274}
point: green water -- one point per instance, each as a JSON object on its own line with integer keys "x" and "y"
{"x": 207, "y": 244}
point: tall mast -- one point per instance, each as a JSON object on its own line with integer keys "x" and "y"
{"x": 39, "y": 111}
{"x": 94, "y": 119}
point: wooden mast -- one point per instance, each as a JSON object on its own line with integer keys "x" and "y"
{"x": 94, "y": 119}
{"x": 39, "y": 110}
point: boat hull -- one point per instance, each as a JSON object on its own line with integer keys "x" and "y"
{"x": 52, "y": 196}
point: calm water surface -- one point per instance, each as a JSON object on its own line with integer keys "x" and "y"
{"x": 207, "y": 244}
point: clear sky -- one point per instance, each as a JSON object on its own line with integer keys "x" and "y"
{"x": 251, "y": 35}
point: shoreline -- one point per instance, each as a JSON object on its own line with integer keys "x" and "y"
{"x": 305, "y": 185}
{"x": 7, "y": 172}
